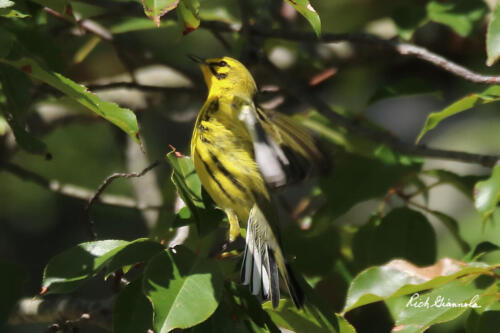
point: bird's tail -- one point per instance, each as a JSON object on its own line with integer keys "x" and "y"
{"x": 263, "y": 262}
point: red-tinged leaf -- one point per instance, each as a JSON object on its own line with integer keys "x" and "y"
{"x": 155, "y": 9}
{"x": 188, "y": 15}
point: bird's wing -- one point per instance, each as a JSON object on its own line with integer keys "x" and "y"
{"x": 284, "y": 152}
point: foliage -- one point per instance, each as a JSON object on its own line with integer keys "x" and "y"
{"x": 70, "y": 56}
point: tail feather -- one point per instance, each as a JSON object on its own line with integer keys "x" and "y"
{"x": 263, "y": 262}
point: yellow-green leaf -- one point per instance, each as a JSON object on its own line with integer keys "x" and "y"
{"x": 492, "y": 94}
{"x": 155, "y": 9}
{"x": 487, "y": 194}
{"x": 493, "y": 37}
{"x": 305, "y": 8}
{"x": 121, "y": 117}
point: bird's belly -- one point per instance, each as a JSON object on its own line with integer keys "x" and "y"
{"x": 223, "y": 159}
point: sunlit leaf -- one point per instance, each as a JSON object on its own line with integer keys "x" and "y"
{"x": 399, "y": 277}
{"x": 493, "y": 37}
{"x": 487, "y": 194}
{"x": 491, "y": 94}
{"x": 188, "y": 15}
{"x": 305, "y": 8}
{"x": 132, "y": 312}
{"x": 155, "y": 9}
{"x": 425, "y": 310}
{"x": 121, "y": 117}
{"x": 12, "y": 9}
{"x": 70, "y": 269}
{"x": 184, "y": 289}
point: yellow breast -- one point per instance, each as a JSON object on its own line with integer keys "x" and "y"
{"x": 222, "y": 152}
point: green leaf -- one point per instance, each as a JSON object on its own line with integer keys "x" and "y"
{"x": 423, "y": 311}
{"x": 486, "y": 322}
{"x": 460, "y": 15}
{"x": 464, "y": 184}
{"x": 128, "y": 24}
{"x": 409, "y": 18}
{"x": 155, "y": 9}
{"x": 487, "y": 194}
{"x": 405, "y": 87}
{"x": 70, "y": 269}
{"x": 123, "y": 118}
{"x": 132, "y": 312}
{"x": 492, "y": 94}
{"x": 11, "y": 9}
{"x": 188, "y": 15}
{"x": 309, "y": 319}
{"x": 139, "y": 250}
{"x": 480, "y": 250}
{"x": 25, "y": 140}
{"x": 15, "y": 86}
{"x": 493, "y": 37}
{"x": 12, "y": 281}
{"x": 399, "y": 277}
{"x": 189, "y": 188}
{"x": 305, "y": 8}
{"x": 184, "y": 289}
{"x": 400, "y": 234}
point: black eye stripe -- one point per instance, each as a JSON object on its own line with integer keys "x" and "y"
{"x": 219, "y": 76}
{"x": 221, "y": 63}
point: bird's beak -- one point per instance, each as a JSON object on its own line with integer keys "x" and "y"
{"x": 196, "y": 59}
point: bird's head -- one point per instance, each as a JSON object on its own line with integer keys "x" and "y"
{"x": 226, "y": 75}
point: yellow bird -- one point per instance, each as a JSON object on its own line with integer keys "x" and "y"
{"x": 240, "y": 152}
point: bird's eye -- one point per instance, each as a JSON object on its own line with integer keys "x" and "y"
{"x": 222, "y": 63}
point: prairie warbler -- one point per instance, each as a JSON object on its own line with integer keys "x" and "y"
{"x": 240, "y": 152}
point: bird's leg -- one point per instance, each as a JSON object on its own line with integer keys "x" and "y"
{"x": 234, "y": 225}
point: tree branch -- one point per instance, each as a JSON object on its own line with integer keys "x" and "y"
{"x": 401, "y": 48}
{"x": 73, "y": 191}
{"x": 63, "y": 310}
{"x": 104, "y": 185}
{"x": 143, "y": 87}
{"x": 379, "y": 136}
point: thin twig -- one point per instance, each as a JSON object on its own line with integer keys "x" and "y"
{"x": 142, "y": 87}
{"x": 376, "y": 135}
{"x": 104, "y": 185}
{"x": 404, "y": 49}
{"x": 73, "y": 191}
